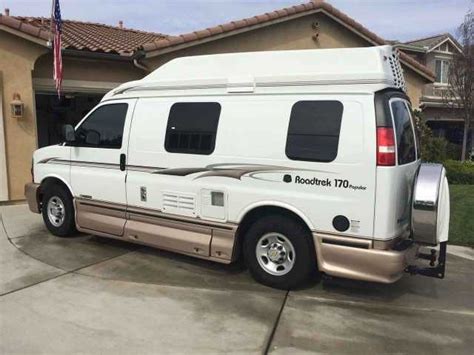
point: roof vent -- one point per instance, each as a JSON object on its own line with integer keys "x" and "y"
{"x": 7, "y": 11}
{"x": 120, "y": 24}
{"x": 398, "y": 78}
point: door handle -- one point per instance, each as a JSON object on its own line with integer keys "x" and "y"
{"x": 123, "y": 159}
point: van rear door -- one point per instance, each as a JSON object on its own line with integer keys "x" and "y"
{"x": 397, "y": 163}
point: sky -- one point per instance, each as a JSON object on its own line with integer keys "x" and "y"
{"x": 391, "y": 19}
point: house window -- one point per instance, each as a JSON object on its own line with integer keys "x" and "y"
{"x": 441, "y": 70}
{"x": 313, "y": 133}
{"x": 192, "y": 127}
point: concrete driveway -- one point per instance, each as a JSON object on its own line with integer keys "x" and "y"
{"x": 92, "y": 295}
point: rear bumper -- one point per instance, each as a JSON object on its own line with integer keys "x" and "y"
{"x": 31, "y": 194}
{"x": 348, "y": 258}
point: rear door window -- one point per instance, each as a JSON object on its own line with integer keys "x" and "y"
{"x": 404, "y": 132}
{"x": 313, "y": 133}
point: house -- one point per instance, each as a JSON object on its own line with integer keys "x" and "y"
{"x": 99, "y": 57}
{"x": 436, "y": 53}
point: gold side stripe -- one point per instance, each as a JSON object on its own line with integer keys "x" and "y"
{"x": 140, "y": 211}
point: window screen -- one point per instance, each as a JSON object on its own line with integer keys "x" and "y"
{"x": 313, "y": 133}
{"x": 103, "y": 128}
{"x": 192, "y": 127}
{"x": 404, "y": 132}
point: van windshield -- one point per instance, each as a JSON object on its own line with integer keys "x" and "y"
{"x": 404, "y": 133}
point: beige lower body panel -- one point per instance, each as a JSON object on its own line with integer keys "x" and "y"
{"x": 190, "y": 236}
{"x": 107, "y": 218}
{"x": 31, "y": 195}
{"x": 357, "y": 259}
{"x": 340, "y": 256}
{"x": 170, "y": 235}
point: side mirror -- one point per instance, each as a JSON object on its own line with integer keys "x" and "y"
{"x": 92, "y": 138}
{"x": 69, "y": 134}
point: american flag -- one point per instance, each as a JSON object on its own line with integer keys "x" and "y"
{"x": 56, "y": 26}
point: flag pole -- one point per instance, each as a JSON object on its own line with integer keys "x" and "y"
{"x": 51, "y": 23}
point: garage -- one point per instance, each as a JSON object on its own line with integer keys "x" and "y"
{"x": 52, "y": 113}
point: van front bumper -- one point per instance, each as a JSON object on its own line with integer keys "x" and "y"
{"x": 31, "y": 194}
{"x": 349, "y": 258}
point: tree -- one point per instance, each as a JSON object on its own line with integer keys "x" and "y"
{"x": 460, "y": 92}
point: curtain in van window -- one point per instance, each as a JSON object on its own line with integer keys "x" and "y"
{"x": 192, "y": 127}
{"x": 313, "y": 133}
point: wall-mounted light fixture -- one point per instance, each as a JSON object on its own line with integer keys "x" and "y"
{"x": 17, "y": 106}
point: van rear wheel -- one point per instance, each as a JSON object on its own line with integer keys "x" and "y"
{"x": 279, "y": 252}
{"x": 58, "y": 211}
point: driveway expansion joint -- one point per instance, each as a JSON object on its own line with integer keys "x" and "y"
{"x": 275, "y": 325}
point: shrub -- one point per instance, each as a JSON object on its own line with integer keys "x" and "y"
{"x": 453, "y": 151}
{"x": 459, "y": 173}
{"x": 434, "y": 149}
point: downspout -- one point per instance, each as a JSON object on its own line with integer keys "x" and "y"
{"x": 136, "y": 61}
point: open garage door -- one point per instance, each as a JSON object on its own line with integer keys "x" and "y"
{"x": 53, "y": 112}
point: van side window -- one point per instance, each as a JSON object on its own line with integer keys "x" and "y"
{"x": 192, "y": 127}
{"x": 404, "y": 132}
{"x": 313, "y": 133}
{"x": 103, "y": 128}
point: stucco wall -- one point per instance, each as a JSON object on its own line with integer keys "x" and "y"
{"x": 294, "y": 34}
{"x": 20, "y": 62}
{"x": 89, "y": 69}
{"x": 17, "y": 57}
{"x": 415, "y": 84}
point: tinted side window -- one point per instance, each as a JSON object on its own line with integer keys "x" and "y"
{"x": 192, "y": 127}
{"x": 403, "y": 132}
{"x": 313, "y": 133}
{"x": 103, "y": 128}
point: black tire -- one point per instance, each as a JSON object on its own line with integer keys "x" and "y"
{"x": 304, "y": 264}
{"x": 57, "y": 193}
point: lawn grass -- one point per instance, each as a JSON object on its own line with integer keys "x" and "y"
{"x": 461, "y": 228}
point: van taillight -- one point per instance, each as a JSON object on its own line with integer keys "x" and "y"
{"x": 385, "y": 147}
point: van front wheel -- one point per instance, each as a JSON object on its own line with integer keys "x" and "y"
{"x": 279, "y": 252}
{"x": 58, "y": 211}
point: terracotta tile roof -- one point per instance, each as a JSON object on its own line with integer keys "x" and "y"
{"x": 188, "y": 38}
{"x": 15, "y": 24}
{"x": 84, "y": 36}
{"x": 94, "y": 37}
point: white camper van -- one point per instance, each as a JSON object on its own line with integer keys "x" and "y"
{"x": 296, "y": 161}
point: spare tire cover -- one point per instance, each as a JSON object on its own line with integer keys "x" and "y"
{"x": 430, "y": 205}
